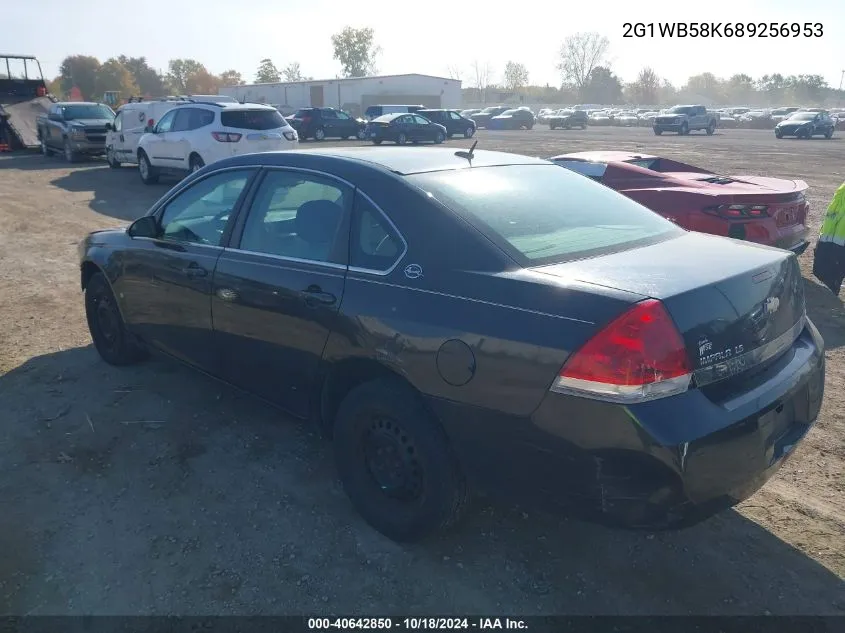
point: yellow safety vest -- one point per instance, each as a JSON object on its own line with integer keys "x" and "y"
{"x": 833, "y": 225}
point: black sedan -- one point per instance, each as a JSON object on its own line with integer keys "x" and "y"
{"x": 517, "y": 119}
{"x": 806, "y": 125}
{"x": 472, "y": 320}
{"x": 404, "y": 128}
{"x": 482, "y": 119}
{"x": 452, "y": 120}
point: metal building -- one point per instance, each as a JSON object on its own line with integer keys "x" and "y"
{"x": 353, "y": 94}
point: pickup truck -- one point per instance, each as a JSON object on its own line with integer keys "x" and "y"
{"x": 683, "y": 119}
{"x": 74, "y": 128}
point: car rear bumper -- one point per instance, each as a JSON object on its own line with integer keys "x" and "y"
{"x": 667, "y": 463}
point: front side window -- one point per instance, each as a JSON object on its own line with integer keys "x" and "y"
{"x": 342, "y": 115}
{"x": 455, "y": 116}
{"x": 421, "y": 120}
{"x": 199, "y": 214}
{"x": 166, "y": 122}
{"x": 542, "y": 214}
{"x": 299, "y": 216}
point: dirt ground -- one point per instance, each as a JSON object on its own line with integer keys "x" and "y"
{"x": 154, "y": 490}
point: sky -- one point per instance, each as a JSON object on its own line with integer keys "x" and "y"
{"x": 430, "y": 38}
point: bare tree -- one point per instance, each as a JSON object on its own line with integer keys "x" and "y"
{"x": 580, "y": 54}
{"x": 482, "y": 72}
{"x": 516, "y": 76}
{"x": 455, "y": 72}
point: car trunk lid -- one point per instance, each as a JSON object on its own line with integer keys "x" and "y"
{"x": 731, "y": 301}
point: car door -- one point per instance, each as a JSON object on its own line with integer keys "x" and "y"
{"x": 165, "y": 288}
{"x": 278, "y": 287}
{"x": 346, "y": 125}
{"x": 133, "y": 123}
{"x": 157, "y": 144}
{"x": 330, "y": 123}
{"x": 179, "y": 141}
{"x": 424, "y": 130}
{"x": 405, "y": 125}
{"x": 456, "y": 124}
{"x": 114, "y": 136}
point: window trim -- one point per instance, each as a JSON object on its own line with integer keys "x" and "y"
{"x": 399, "y": 258}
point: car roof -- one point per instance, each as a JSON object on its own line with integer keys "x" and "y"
{"x": 399, "y": 160}
{"x": 605, "y": 157}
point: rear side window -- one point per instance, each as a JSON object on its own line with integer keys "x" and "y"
{"x": 375, "y": 245}
{"x": 542, "y": 214}
{"x": 252, "y": 119}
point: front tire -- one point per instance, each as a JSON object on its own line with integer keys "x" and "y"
{"x": 376, "y": 141}
{"x": 829, "y": 133}
{"x": 70, "y": 155}
{"x": 111, "y": 159}
{"x": 778, "y": 134}
{"x": 469, "y": 132}
{"x": 395, "y": 462}
{"x": 439, "y": 138}
{"x": 684, "y": 130}
{"x": 319, "y": 134}
{"x": 658, "y": 131}
{"x": 711, "y": 129}
{"x": 401, "y": 139}
{"x": 112, "y": 341}
{"x": 148, "y": 173}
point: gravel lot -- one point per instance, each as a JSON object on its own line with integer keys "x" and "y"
{"x": 154, "y": 490}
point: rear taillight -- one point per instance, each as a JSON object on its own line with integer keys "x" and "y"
{"x": 638, "y": 356}
{"x": 738, "y": 211}
{"x": 226, "y": 137}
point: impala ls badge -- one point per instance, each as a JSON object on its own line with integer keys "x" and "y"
{"x": 772, "y": 305}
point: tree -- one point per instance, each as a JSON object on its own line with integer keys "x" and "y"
{"x": 516, "y": 76}
{"x": 267, "y": 72}
{"x": 602, "y": 87}
{"x": 806, "y": 88}
{"x": 356, "y": 51}
{"x": 230, "y": 78}
{"x": 455, "y": 72}
{"x": 54, "y": 87}
{"x": 179, "y": 73}
{"x": 293, "y": 72}
{"x": 646, "y": 88}
{"x": 773, "y": 87}
{"x": 147, "y": 78}
{"x": 706, "y": 85}
{"x": 740, "y": 88}
{"x": 114, "y": 76}
{"x": 482, "y": 73}
{"x": 202, "y": 82}
{"x": 80, "y": 71}
{"x": 580, "y": 54}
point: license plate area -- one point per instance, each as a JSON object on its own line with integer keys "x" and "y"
{"x": 787, "y": 216}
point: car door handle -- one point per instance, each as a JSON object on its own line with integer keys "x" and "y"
{"x": 314, "y": 296}
{"x": 195, "y": 270}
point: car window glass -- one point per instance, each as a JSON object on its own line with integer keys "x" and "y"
{"x": 374, "y": 244}
{"x": 166, "y": 122}
{"x": 584, "y": 167}
{"x": 182, "y": 121}
{"x": 199, "y": 214}
{"x": 328, "y": 113}
{"x": 296, "y": 215}
{"x": 342, "y": 115}
{"x": 455, "y": 115}
{"x": 420, "y": 120}
{"x": 118, "y": 122}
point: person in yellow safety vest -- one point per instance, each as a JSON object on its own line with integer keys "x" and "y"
{"x": 829, "y": 256}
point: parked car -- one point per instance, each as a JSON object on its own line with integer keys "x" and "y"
{"x": 193, "y": 135}
{"x": 769, "y": 211}
{"x": 452, "y": 121}
{"x": 544, "y": 114}
{"x": 627, "y": 119}
{"x": 128, "y": 126}
{"x": 779, "y": 114}
{"x": 517, "y": 119}
{"x": 483, "y": 118}
{"x": 74, "y": 128}
{"x": 684, "y": 119}
{"x": 513, "y": 328}
{"x": 567, "y": 119}
{"x": 322, "y": 123}
{"x": 375, "y": 111}
{"x": 469, "y": 112}
{"x": 806, "y": 125}
{"x": 404, "y": 128}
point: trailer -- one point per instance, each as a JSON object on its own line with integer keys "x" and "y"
{"x": 23, "y": 98}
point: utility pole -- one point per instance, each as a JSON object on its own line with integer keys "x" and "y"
{"x": 841, "y": 77}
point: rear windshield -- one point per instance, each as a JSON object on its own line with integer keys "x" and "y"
{"x": 542, "y": 214}
{"x": 252, "y": 119}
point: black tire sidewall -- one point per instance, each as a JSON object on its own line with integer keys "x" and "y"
{"x": 444, "y": 488}
{"x": 123, "y": 352}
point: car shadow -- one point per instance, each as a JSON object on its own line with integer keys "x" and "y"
{"x": 31, "y": 160}
{"x": 827, "y": 312}
{"x": 117, "y": 193}
{"x": 159, "y": 490}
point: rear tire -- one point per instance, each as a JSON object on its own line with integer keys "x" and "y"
{"x": 829, "y": 133}
{"x": 469, "y": 132}
{"x": 395, "y": 462}
{"x": 377, "y": 141}
{"x": 319, "y": 134}
{"x": 552, "y": 126}
{"x": 196, "y": 163}
{"x": 112, "y": 341}
{"x": 711, "y": 129}
{"x": 401, "y": 139}
{"x": 362, "y": 135}
{"x": 684, "y": 129}
{"x": 149, "y": 174}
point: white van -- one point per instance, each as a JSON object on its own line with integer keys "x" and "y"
{"x": 125, "y": 131}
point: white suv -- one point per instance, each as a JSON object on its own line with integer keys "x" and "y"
{"x": 195, "y": 134}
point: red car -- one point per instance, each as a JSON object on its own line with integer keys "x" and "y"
{"x": 769, "y": 211}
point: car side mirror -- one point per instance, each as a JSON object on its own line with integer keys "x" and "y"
{"x": 145, "y": 226}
